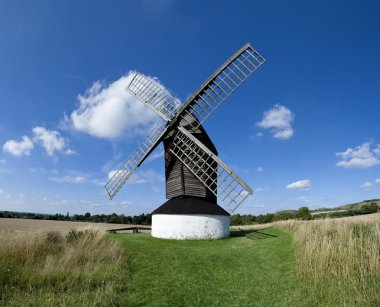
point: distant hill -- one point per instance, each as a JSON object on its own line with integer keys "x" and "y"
{"x": 353, "y": 206}
{"x": 358, "y": 205}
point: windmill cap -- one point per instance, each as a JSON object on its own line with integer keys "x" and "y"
{"x": 190, "y": 205}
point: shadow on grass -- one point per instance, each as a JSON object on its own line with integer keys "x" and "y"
{"x": 258, "y": 234}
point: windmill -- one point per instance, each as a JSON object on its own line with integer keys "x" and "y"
{"x": 196, "y": 178}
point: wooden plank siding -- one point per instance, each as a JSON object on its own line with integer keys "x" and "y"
{"x": 180, "y": 181}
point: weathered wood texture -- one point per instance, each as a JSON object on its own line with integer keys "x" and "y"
{"x": 179, "y": 179}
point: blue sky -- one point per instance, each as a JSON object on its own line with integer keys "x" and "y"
{"x": 303, "y": 130}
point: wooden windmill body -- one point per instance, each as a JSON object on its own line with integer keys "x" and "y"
{"x": 196, "y": 179}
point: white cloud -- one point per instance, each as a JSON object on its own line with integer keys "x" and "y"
{"x": 109, "y": 111}
{"x": 20, "y": 148}
{"x": 259, "y": 169}
{"x": 70, "y": 179}
{"x": 360, "y": 157}
{"x": 367, "y": 185}
{"x": 148, "y": 176}
{"x": 279, "y": 120}
{"x": 51, "y": 140}
{"x": 1, "y": 191}
{"x": 299, "y": 185}
{"x": 377, "y": 181}
{"x": 377, "y": 150}
{"x": 70, "y": 152}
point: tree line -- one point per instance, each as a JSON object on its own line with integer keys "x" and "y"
{"x": 302, "y": 213}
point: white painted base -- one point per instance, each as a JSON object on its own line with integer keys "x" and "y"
{"x": 190, "y": 226}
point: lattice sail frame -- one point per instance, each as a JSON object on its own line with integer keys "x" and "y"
{"x": 210, "y": 170}
{"x": 221, "y": 84}
{"x": 134, "y": 160}
{"x": 200, "y": 106}
{"x": 154, "y": 95}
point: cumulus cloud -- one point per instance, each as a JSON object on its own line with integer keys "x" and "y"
{"x": 109, "y": 111}
{"x": 299, "y": 185}
{"x": 23, "y": 147}
{"x": 51, "y": 140}
{"x": 366, "y": 185}
{"x": 279, "y": 120}
{"x": 361, "y": 157}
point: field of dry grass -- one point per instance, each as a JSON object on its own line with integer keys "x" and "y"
{"x": 49, "y": 268}
{"x": 352, "y": 219}
{"x": 336, "y": 260}
{"x": 29, "y": 226}
{"x": 339, "y": 259}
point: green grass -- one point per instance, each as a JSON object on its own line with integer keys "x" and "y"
{"x": 306, "y": 264}
{"x": 248, "y": 269}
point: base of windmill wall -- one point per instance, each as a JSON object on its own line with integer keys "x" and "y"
{"x": 190, "y": 226}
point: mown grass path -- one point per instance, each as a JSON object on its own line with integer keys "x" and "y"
{"x": 248, "y": 269}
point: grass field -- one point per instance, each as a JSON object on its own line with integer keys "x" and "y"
{"x": 293, "y": 263}
{"x": 22, "y": 226}
{"x": 245, "y": 270}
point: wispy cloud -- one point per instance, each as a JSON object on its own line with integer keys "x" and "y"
{"x": 279, "y": 120}
{"x": 19, "y": 148}
{"x": 259, "y": 169}
{"x": 299, "y": 185}
{"x": 359, "y": 157}
{"x": 140, "y": 177}
{"x": 155, "y": 155}
{"x": 70, "y": 179}
{"x": 367, "y": 185}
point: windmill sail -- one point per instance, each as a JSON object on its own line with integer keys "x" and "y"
{"x": 210, "y": 170}
{"x": 205, "y": 165}
{"x": 154, "y": 96}
{"x": 135, "y": 159}
{"x": 221, "y": 84}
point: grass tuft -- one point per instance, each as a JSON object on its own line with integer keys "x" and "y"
{"x": 82, "y": 267}
{"x": 338, "y": 260}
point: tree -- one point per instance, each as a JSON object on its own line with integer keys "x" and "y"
{"x": 303, "y": 213}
